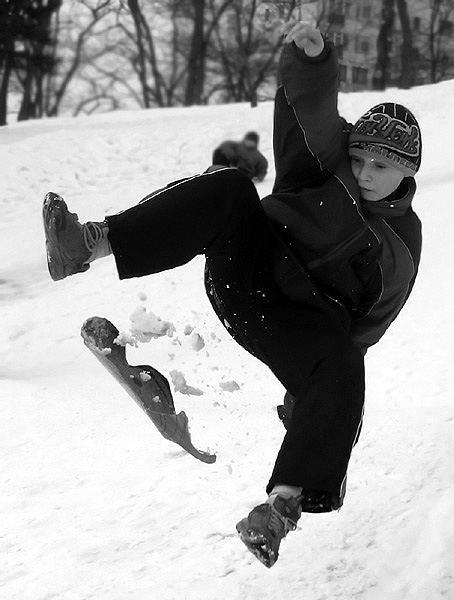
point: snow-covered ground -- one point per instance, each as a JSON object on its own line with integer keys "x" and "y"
{"x": 94, "y": 503}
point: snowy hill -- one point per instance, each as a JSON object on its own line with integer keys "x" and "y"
{"x": 95, "y": 503}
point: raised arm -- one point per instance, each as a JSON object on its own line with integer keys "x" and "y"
{"x": 309, "y": 136}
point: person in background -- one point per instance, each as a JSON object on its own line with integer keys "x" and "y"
{"x": 306, "y": 280}
{"x": 243, "y": 155}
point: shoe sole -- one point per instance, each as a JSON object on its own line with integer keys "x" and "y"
{"x": 256, "y": 543}
{"x": 53, "y": 218}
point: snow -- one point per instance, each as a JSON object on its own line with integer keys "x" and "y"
{"x": 145, "y": 325}
{"x": 94, "y": 502}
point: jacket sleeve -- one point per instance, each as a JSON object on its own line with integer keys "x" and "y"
{"x": 261, "y": 168}
{"x": 406, "y": 231}
{"x": 310, "y": 138}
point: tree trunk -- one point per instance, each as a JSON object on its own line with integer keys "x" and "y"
{"x": 408, "y": 53}
{"x": 435, "y": 41}
{"x": 197, "y": 56}
{"x": 35, "y": 59}
{"x": 142, "y": 63}
{"x": 381, "y": 74}
{"x": 4, "y": 85}
{"x": 27, "y": 108}
{"x": 6, "y": 67}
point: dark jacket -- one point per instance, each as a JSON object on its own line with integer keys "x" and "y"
{"x": 363, "y": 255}
{"x": 249, "y": 161}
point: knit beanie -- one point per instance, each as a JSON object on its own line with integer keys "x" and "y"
{"x": 253, "y": 136}
{"x": 389, "y": 131}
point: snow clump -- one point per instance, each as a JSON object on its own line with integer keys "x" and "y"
{"x": 180, "y": 385}
{"x": 145, "y": 325}
{"x": 197, "y": 342}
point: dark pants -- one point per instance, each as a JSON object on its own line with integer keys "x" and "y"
{"x": 220, "y": 215}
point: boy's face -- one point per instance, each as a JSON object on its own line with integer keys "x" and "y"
{"x": 250, "y": 144}
{"x": 376, "y": 179}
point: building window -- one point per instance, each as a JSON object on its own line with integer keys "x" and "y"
{"x": 337, "y": 6}
{"x": 362, "y": 45}
{"x": 416, "y": 23}
{"x": 342, "y": 72}
{"x": 446, "y": 27}
{"x": 338, "y": 38}
{"x": 336, "y": 12}
{"x": 364, "y": 12}
{"x": 336, "y": 19}
{"x": 359, "y": 75}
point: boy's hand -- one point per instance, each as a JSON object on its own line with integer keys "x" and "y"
{"x": 305, "y": 36}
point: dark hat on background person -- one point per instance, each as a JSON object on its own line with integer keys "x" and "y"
{"x": 390, "y": 132}
{"x": 252, "y": 136}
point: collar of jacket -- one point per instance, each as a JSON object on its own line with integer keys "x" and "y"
{"x": 393, "y": 207}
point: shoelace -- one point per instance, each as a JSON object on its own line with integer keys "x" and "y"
{"x": 93, "y": 234}
{"x": 277, "y": 521}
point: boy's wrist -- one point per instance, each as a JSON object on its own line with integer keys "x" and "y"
{"x": 313, "y": 59}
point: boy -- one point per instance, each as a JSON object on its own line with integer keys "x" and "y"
{"x": 244, "y": 155}
{"x": 306, "y": 280}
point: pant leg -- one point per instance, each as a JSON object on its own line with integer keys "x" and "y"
{"x": 313, "y": 357}
{"x": 219, "y": 214}
{"x": 308, "y": 349}
{"x": 327, "y": 381}
{"x": 212, "y": 213}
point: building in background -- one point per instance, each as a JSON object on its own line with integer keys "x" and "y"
{"x": 387, "y": 43}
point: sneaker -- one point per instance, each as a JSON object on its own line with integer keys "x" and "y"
{"x": 69, "y": 244}
{"x": 266, "y": 525}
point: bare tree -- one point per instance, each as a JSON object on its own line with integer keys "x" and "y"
{"x": 170, "y": 58}
{"x": 381, "y": 73}
{"x": 247, "y": 48}
{"x": 38, "y": 60}
{"x": 26, "y": 41}
{"x": 439, "y": 35}
{"x": 409, "y": 54}
{"x": 206, "y": 17}
{"x": 197, "y": 55}
{"x": 82, "y": 28}
{"x": 8, "y": 16}
{"x": 146, "y": 56}
{"x": 153, "y": 48}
